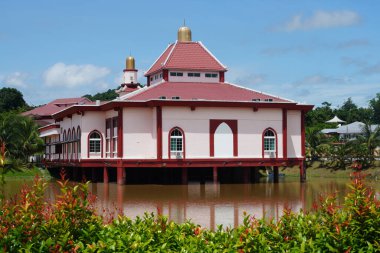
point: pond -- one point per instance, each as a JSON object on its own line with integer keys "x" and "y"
{"x": 208, "y": 204}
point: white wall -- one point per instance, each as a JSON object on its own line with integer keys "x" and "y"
{"x": 156, "y": 78}
{"x": 294, "y": 134}
{"x": 139, "y": 133}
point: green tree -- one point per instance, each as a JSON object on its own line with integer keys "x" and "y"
{"x": 374, "y": 104}
{"x": 11, "y": 99}
{"x": 103, "y": 96}
{"x": 19, "y": 138}
{"x": 370, "y": 139}
{"x": 318, "y": 116}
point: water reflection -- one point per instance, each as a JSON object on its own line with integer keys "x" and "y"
{"x": 207, "y": 204}
{"x": 213, "y": 204}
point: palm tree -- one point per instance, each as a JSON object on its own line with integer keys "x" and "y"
{"x": 370, "y": 138}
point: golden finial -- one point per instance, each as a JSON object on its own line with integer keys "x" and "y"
{"x": 130, "y": 62}
{"x": 184, "y": 33}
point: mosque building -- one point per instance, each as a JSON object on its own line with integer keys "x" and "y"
{"x": 187, "y": 123}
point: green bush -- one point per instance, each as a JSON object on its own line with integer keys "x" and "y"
{"x": 70, "y": 224}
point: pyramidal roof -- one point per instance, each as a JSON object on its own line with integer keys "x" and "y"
{"x": 186, "y": 55}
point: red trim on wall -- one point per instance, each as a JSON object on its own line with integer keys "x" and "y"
{"x": 174, "y": 163}
{"x": 303, "y": 134}
{"x": 165, "y": 74}
{"x": 221, "y": 76}
{"x": 154, "y": 103}
{"x": 214, "y": 123}
{"x": 159, "y": 132}
{"x": 285, "y": 132}
{"x": 101, "y": 143}
{"x": 183, "y": 141}
{"x": 120, "y": 132}
{"x": 262, "y": 141}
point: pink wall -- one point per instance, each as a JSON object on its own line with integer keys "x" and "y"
{"x": 294, "y": 134}
{"x": 139, "y": 138}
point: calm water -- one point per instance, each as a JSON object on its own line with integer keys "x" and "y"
{"x": 208, "y": 204}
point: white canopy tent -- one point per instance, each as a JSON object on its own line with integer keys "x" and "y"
{"x": 335, "y": 120}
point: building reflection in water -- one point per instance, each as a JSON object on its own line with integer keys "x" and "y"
{"x": 212, "y": 204}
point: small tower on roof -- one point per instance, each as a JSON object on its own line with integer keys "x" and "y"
{"x": 130, "y": 72}
{"x": 184, "y": 33}
{"x": 129, "y": 78}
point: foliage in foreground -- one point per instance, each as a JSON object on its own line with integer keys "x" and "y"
{"x": 31, "y": 224}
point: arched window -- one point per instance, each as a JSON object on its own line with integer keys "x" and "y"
{"x": 176, "y": 143}
{"x": 95, "y": 140}
{"x": 270, "y": 143}
{"x": 79, "y": 140}
{"x": 69, "y": 146}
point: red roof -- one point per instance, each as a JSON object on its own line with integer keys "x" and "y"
{"x": 186, "y": 55}
{"x": 202, "y": 91}
{"x": 56, "y": 106}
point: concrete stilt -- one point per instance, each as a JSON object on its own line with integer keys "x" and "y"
{"x": 75, "y": 174}
{"x": 184, "y": 175}
{"x": 246, "y": 175}
{"x": 105, "y": 175}
{"x": 84, "y": 178}
{"x": 275, "y": 174}
{"x": 303, "y": 172}
{"x": 94, "y": 178}
{"x": 120, "y": 175}
{"x": 256, "y": 175}
{"x": 215, "y": 175}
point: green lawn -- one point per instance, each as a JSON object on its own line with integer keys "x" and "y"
{"x": 317, "y": 169}
{"x": 26, "y": 173}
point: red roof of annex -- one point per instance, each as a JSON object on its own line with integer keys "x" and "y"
{"x": 56, "y": 106}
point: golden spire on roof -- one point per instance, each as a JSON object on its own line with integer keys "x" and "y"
{"x": 184, "y": 33}
{"x": 130, "y": 62}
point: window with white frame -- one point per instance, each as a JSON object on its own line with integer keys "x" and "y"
{"x": 269, "y": 142}
{"x": 114, "y": 136}
{"x": 108, "y": 137}
{"x": 176, "y": 143}
{"x": 95, "y": 143}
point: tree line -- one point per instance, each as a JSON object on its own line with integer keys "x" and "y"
{"x": 359, "y": 152}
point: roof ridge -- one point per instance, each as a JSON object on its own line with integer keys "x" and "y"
{"x": 139, "y": 91}
{"x": 170, "y": 44}
{"x": 213, "y": 56}
{"x": 170, "y": 53}
{"x": 268, "y": 94}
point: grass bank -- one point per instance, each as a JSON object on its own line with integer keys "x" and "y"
{"x": 318, "y": 169}
{"x": 25, "y": 173}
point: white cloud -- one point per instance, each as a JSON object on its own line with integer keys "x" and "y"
{"x": 320, "y": 20}
{"x": 61, "y": 74}
{"x": 16, "y": 79}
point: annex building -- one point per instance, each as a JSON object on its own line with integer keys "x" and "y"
{"x": 187, "y": 123}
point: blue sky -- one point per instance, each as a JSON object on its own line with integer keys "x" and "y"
{"x": 308, "y": 51}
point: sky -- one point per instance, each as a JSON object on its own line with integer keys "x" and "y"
{"x": 307, "y": 51}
